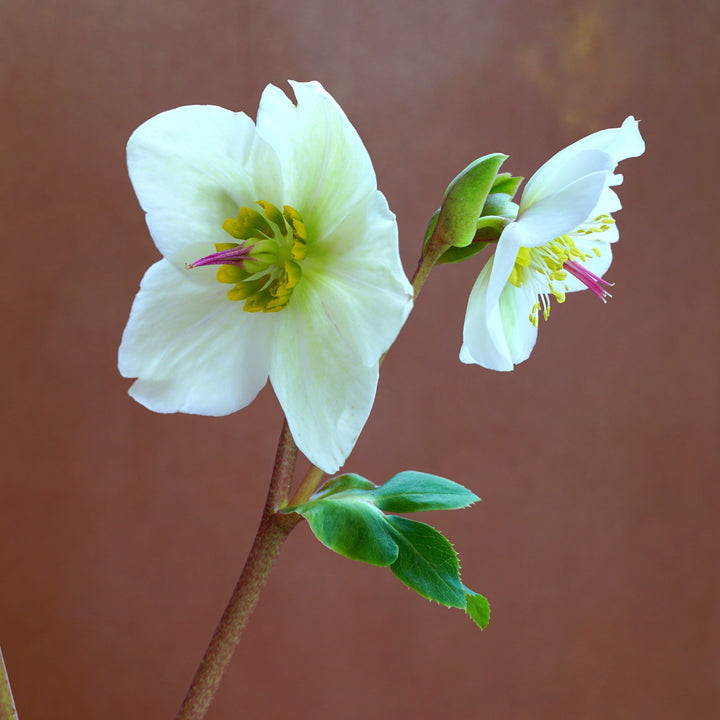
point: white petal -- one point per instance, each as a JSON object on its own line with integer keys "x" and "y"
{"x": 502, "y": 262}
{"x": 323, "y": 387}
{"x": 191, "y": 348}
{"x": 620, "y": 143}
{"x": 561, "y": 212}
{"x": 588, "y": 240}
{"x": 623, "y": 142}
{"x": 363, "y": 287}
{"x": 188, "y": 168}
{"x": 554, "y": 176}
{"x": 607, "y": 204}
{"x": 483, "y": 344}
{"x": 520, "y": 332}
{"x": 500, "y": 335}
{"x": 326, "y": 168}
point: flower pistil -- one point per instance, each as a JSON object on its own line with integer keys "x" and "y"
{"x": 264, "y": 268}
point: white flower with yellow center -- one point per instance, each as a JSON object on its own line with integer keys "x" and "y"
{"x": 560, "y": 242}
{"x": 280, "y": 259}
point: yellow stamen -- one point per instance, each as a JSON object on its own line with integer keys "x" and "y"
{"x": 548, "y": 261}
{"x": 277, "y": 242}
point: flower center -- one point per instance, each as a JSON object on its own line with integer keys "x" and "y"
{"x": 554, "y": 260}
{"x": 264, "y": 267}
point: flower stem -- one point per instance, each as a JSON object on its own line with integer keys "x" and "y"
{"x": 7, "y": 704}
{"x": 435, "y": 248}
{"x": 272, "y": 532}
{"x": 308, "y": 486}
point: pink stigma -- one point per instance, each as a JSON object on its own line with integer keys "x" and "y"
{"x": 588, "y": 279}
{"x": 234, "y": 256}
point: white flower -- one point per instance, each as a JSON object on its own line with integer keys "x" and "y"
{"x": 307, "y": 286}
{"x": 560, "y": 242}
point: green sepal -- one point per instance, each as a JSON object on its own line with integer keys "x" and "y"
{"x": 453, "y": 254}
{"x": 499, "y": 205}
{"x": 496, "y": 213}
{"x": 427, "y": 562}
{"x": 412, "y": 491}
{"x": 507, "y": 184}
{"x": 430, "y": 228}
{"x": 464, "y": 199}
{"x": 478, "y": 608}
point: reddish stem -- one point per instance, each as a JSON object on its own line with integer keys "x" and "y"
{"x": 271, "y": 534}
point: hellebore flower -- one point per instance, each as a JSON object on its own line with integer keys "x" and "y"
{"x": 280, "y": 259}
{"x": 560, "y": 242}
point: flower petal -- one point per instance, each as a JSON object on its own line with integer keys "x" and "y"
{"x": 520, "y": 333}
{"x": 191, "y": 349}
{"x": 326, "y": 168}
{"x": 619, "y": 143}
{"x": 502, "y": 262}
{"x": 552, "y": 177}
{"x": 500, "y": 334}
{"x": 324, "y": 389}
{"x": 364, "y": 290}
{"x": 189, "y": 168}
{"x": 608, "y": 203}
{"x": 561, "y": 212}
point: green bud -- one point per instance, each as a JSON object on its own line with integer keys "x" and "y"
{"x": 507, "y": 184}
{"x": 464, "y": 200}
{"x": 497, "y": 211}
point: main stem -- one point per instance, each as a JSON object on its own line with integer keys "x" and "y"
{"x": 271, "y": 534}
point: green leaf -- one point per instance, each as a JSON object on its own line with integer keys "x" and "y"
{"x": 427, "y": 562}
{"x": 351, "y": 527}
{"x": 464, "y": 199}
{"x": 478, "y": 608}
{"x": 412, "y": 491}
{"x": 347, "y": 516}
{"x": 345, "y": 484}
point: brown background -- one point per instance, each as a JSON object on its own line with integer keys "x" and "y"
{"x": 122, "y": 532}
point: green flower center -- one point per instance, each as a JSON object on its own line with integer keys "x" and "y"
{"x": 264, "y": 266}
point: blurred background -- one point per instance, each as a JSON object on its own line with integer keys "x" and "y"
{"x": 122, "y": 532}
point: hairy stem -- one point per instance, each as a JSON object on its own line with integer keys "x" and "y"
{"x": 7, "y": 705}
{"x": 272, "y": 532}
